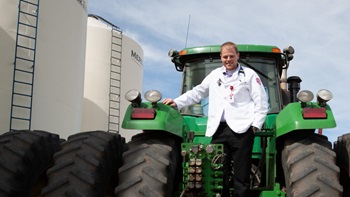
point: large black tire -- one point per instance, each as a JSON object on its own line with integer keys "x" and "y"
{"x": 342, "y": 149}
{"x": 86, "y": 166}
{"x": 309, "y": 167}
{"x": 150, "y": 166}
{"x": 24, "y": 158}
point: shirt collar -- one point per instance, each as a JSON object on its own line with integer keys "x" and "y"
{"x": 229, "y": 73}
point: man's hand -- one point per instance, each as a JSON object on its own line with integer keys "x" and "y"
{"x": 255, "y": 129}
{"x": 169, "y": 101}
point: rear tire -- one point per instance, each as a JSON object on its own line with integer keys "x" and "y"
{"x": 24, "y": 158}
{"x": 309, "y": 167}
{"x": 150, "y": 166}
{"x": 342, "y": 149}
{"x": 86, "y": 166}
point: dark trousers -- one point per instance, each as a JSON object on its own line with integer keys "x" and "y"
{"x": 237, "y": 148}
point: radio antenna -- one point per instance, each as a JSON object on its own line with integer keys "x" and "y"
{"x": 188, "y": 29}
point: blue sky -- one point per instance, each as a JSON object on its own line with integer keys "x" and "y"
{"x": 317, "y": 29}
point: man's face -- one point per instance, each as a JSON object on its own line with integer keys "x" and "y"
{"x": 229, "y": 57}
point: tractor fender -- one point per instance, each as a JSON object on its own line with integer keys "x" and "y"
{"x": 291, "y": 119}
{"x": 166, "y": 119}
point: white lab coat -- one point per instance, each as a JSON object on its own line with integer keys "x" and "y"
{"x": 246, "y": 107}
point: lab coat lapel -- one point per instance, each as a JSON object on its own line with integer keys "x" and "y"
{"x": 221, "y": 81}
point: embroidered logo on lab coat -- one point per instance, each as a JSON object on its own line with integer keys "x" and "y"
{"x": 258, "y": 81}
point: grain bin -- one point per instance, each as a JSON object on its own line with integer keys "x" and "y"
{"x": 114, "y": 65}
{"x": 44, "y": 41}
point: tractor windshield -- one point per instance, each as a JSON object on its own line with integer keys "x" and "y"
{"x": 196, "y": 71}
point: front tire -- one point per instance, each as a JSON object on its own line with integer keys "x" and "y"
{"x": 309, "y": 167}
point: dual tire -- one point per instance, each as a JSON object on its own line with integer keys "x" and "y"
{"x": 86, "y": 166}
{"x": 24, "y": 158}
{"x": 342, "y": 149}
{"x": 309, "y": 166}
{"x": 38, "y": 163}
{"x": 149, "y": 166}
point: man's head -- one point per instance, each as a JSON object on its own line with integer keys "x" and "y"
{"x": 229, "y": 55}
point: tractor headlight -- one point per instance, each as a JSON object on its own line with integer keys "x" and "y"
{"x": 173, "y": 53}
{"x": 153, "y": 96}
{"x": 134, "y": 97}
{"x": 323, "y": 96}
{"x": 305, "y": 96}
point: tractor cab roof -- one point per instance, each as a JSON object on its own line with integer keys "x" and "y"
{"x": 245, "y": 50}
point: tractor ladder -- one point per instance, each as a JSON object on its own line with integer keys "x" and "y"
{"x": 24, "y": 65}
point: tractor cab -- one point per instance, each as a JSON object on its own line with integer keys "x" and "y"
{"x": 267, "y": 61}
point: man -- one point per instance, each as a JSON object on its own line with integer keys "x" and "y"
{"x": 237, "y": 109}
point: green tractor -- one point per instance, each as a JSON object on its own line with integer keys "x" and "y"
{"x": 291, "y": 157}
{"x": 172, "y": 156}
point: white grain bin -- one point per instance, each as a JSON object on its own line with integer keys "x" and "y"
{"x": 113, "y": 67}
{"x": 59, "y": 63}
